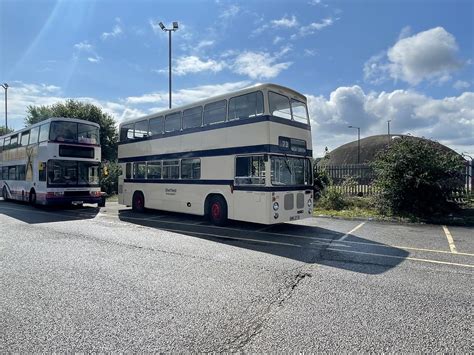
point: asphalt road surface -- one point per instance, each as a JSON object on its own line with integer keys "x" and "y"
{"x": 111, "y": 280}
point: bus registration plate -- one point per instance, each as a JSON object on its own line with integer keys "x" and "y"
{"x": 77, "y": 202}
{"x": 294, "y": 218}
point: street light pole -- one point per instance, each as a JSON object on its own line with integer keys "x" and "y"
{"x": 5, "y": 86}
{"x": 169, "y": 30}
{"x": 358, "y": 143}
{"x": 388, "y": 130}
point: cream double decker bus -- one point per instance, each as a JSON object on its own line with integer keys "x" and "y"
{"x": 53, "y": 162}
{"x": 243, "y": 156}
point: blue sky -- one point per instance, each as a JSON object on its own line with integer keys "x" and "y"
{"x": 359, "y": 62}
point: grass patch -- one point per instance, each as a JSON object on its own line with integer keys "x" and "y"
{"x": 112, "y": 198}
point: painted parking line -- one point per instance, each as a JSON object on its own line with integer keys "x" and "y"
{"x": 452, "y": 247}
{"x": 402, "y": 257}
{"x": 350, "y": 232}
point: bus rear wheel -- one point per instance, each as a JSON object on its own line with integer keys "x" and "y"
{"x": 138, "y": 202}
{"x": 218, "y": 211}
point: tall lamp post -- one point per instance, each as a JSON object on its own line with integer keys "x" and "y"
{"x": 358, "y": 143}
{"x": 5, "y": 86}
{"x": 388, "y": 130}
{"x": 169, "y": 30}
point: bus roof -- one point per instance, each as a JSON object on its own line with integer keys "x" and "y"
{"x": 269, "y": 86}
{"x": 51, "y": 119}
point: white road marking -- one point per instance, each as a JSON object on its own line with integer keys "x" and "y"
{"x": 452, "y": 247}
{"x": 350, "y": 232}
{"x": 402, "y": 257}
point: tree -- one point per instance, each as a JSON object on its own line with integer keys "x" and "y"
{"x": 83, "y": 111}
{"x": 4, "y": 130}
{"x": 417, "y": 177}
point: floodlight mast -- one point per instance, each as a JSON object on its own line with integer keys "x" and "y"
{"x": 169, "y": 30}
{"x": 5, "y": 86}
{"x": 358, "y": 142}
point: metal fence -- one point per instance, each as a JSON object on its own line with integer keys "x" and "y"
{"x": 357, "y": 179}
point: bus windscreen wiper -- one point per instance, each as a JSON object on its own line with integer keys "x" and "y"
{"x": 288, "y": 165}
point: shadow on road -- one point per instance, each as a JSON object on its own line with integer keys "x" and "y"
{"x": 41, "y": 214}
{"x": 309, "y": 244}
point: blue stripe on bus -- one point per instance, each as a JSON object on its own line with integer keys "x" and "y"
{"x": 262, "y": 148}
{"x": 218, "y": 182}
{"x": 233, "y": 123}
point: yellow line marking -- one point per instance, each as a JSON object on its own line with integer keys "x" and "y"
{"x": 350, "y": 232}
{"x": 452, "y": 247}
{"x": 403, "y": 258}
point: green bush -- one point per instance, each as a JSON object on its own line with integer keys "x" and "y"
{"x": 321, "y": 180}
{"x": 416, "y": 177}
{"x": 332, "y": 199}
{"x": 109, "y": 177}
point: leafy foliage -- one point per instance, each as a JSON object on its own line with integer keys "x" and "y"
{"x": 416, "y": 177}
{"x": 83, "y": 111}
{"x": 109, "y": 180}
{"x": 332, "y": 199}
{"x": 4, "y": 130}
{"x": 320, "y": 181}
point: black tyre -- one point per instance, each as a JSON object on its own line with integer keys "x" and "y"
{"x": 102, "y": 202}
{"x": 138, "y": 202}
{"x": 32, "y": 197}
{"x": 5, "y": 193}
{"x": 218, "y": 210}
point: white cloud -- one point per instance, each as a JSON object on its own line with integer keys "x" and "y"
{"x": 86, "y": 49}
{"x": 310, "y": 52}
{"x": 95, "y": 59}
{"x": 193, "y": 64}
{"x": 277, "y": 39}
{"x": 230, "y": 12}
{"x": 461, "y": 85}
{"x": 186, "y": 96}
{"x": 155, "y": 26}
{"x": 83, "y": 46}
{"x": 258, "y": 65}
{"x": 285, "y": 22}
{"x": 116, "y": 31}
{"x": 315, "y": 27}
{"x": 449, "y": 120}
{"x": 428, "y": 55}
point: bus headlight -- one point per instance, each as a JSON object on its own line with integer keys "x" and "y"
{"x": 275, "y": 215}
{"x": 310, "y": 203}
{"x": 276, "y": 206}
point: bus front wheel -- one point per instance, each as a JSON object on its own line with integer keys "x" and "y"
{"x": 218, "y": 211}
{"x": 4, "y": 194}
{"x": 138, "y": 202}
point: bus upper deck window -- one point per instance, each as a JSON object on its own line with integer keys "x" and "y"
{"x": 34, "y": 135}
{"x": 141, "y": 129}
{"x": 126, "y": 132}
{"x": 215, "y": 112}
{"x": 192, "y": 117}
{"x": 300, "y": 114}
{"x": 156, "y": 126}
{"x": 245, "y": 106}
{"x": 279, "y": 105}
{"x": 173, "y": 122}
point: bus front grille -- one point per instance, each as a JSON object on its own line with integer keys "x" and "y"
{"x": 289, "y": 202}
{"x": 300, "y": 200}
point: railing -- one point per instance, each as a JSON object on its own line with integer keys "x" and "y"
{"x": 357, "y": 179}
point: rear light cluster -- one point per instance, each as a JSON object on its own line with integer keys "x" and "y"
{"x": 95, "y": 193}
